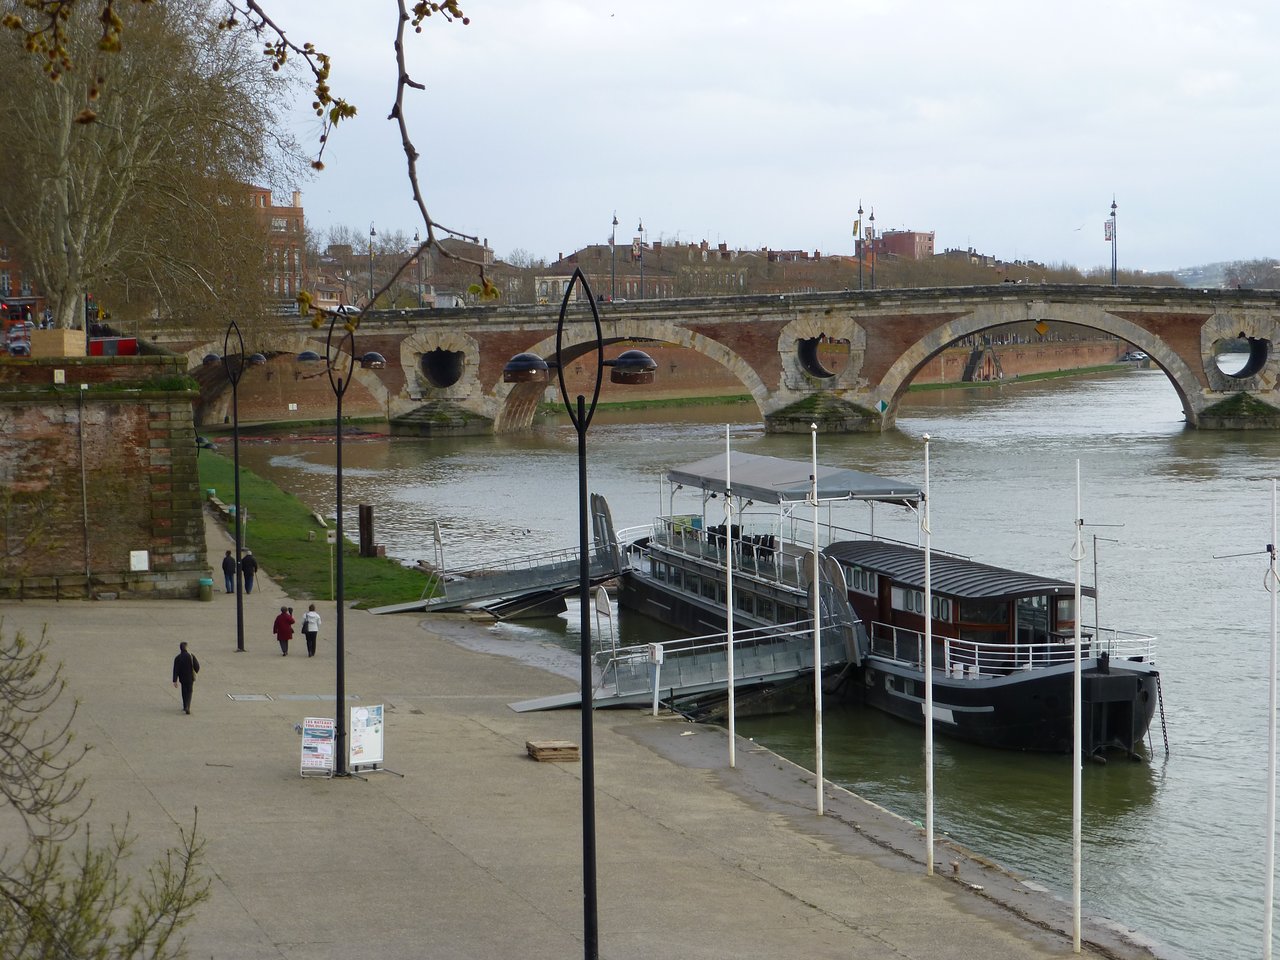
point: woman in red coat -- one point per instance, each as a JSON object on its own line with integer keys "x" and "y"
{"x": 283, "y": 629}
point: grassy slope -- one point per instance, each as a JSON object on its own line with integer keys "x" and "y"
{"x": 277, "y": 533}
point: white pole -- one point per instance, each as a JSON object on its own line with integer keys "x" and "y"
{"x": 1269, "y": 894}
{"x": 1077, "y": 714}
{"x": 817, "y": 625}
{"x": 928, "y": 674}
{"x": 728, "y": 591}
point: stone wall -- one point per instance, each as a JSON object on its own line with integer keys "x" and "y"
{"x": 99, "y": 491}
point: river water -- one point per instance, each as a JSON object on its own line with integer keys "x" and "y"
{"x": 1172, "y": 847}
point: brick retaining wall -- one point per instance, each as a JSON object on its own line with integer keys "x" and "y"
{"x": 90, "y": 477}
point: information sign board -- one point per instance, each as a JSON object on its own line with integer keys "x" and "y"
{"x": 366, "y": 735}
{"x": 317, "y": 746}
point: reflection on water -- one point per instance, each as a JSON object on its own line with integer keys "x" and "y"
{"x": 1172, "y": 847}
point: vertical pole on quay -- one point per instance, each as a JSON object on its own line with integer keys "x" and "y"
{"x": 234, "y": 378}
{"x": 728, "y": 593}
{"x": 1077, "y": 736}
{"x": 339, "y": 383}
{"x": 928, "y": 673}
{"x": 817, "y": 619}
{"x": 1269, "y": 886}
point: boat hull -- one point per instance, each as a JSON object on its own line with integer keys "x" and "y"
{"x": 1026, "y": 710}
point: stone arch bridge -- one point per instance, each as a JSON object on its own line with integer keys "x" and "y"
{"x": 444, "y": 366}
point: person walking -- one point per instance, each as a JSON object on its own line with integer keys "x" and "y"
{"x": 249, "y": 567}
{"x": 229, "y": 572}
{"x": 310, "y": 627}
{"x": 185, "y": 668}
{"x": 283, "y": 629}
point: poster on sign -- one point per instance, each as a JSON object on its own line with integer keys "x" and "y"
{"x": 366, "y": 736}
{"x": 317, "y": 746}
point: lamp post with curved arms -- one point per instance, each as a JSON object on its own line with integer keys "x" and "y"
{"x": 633, "y": 366}
{"x": 339, "y": 385}
{"x": 857, "y": 243}
{"x": 234, "y": 378}
{"x": 640, "y": 230}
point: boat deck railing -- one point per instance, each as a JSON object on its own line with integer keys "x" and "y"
{"x": 697, "y": 664}
{"x": 756, "y": 551}
{"x": 974, "y": 660}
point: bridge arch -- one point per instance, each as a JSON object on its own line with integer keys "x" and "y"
{"x": 1184, "y": 379}
{"x": 517, "y": 403}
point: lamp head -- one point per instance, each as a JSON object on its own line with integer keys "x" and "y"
{"x": 526, "y": 368}
{"x": 632, "y": 366}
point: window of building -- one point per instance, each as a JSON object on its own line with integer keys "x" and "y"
{"x": 5, "y": 281}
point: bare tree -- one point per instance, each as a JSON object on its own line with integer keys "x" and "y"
{"x": 52, "y": 903}
{"x": 147, "y": 204}
{"x": 1253, "y": 274}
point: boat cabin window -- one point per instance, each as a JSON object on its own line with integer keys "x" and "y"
{"x": 862, "y": 581}
{"x": 677, "y": 576}
{"x": 912, "y": 601}
{"x": 764, "y": 607}
{"x": 1065, "y": 618}
{"x": 708, "y": 588}
{"x": 1033, "y": 619}
{"x": 744, "y": 602}
{"x": 984, "y": 621}
{"x": 692, "y": 583}
{"x": 660, "y": 572}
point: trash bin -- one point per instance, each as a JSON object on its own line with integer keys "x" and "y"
{"x": 206, "y": 589}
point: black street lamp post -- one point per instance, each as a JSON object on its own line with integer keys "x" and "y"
{"x": 339, "y": 383}
{"x": 417, "y": 261}
{"x": 372, "y": 236}
{"x": 633, "y": 366}
{"x": 234, "y": 377}
{"x": 613, "y": 260}
{"x": 857, "y": 242}
{"x": 640, "y": 229}
{"x": 873, "y": 248}
{"x": 1112, "y": 231}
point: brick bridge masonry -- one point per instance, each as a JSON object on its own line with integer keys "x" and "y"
{"x": 444, "y": 367}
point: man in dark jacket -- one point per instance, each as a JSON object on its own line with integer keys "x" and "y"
{"x": 229, "y": 572}
{"x": 185, "y": 668}
{"x": 249, "y": 567}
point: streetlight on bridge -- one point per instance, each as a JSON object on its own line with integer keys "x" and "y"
{"x": 613, "y": 260}
{"x": 372, "y": 236}
{"x": 633, "y": 366}
{"x": 872, "y": 232}
{"x": 857, "y": 242}
{"x": 1111, "y": 235}
{"x": 417, "y": 260}
{"x": 640, "y": 229}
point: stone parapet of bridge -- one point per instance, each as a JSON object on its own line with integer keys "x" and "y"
{"x": 444, "y": 366}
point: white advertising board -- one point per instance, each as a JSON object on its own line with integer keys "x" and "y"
{"x": 366, "y": 735}
{"x": 317, "y": 746}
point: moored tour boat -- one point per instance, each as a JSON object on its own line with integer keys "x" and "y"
{"x": 1003, "y": 646}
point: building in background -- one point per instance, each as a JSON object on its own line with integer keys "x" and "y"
{"x": 286, "y": 246}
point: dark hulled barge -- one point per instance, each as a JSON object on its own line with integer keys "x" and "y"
{"x": 1002, "y": 641}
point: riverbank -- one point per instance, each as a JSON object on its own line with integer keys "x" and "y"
{"x": 472, "y": 849}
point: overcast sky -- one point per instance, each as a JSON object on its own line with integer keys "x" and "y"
{"x": 1002, "y": 126}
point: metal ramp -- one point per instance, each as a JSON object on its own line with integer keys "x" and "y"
{"x": 525, "y": 582}
{"x": 534, "y": 577}
{"x": 764, "y": 656}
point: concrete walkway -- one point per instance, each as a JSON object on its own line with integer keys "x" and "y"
{"x": 472, "y": 849}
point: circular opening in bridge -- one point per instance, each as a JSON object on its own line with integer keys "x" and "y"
{"x": 1241, "y": 357}
{"x": 442, "y": 368}
{"x": 822, "y": 356}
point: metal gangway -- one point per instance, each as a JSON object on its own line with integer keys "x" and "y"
{"x": 762, "y": 656}
{"x": 512, "y": 584}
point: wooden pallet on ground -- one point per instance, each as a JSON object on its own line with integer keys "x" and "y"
{"x": 558, "y": 751}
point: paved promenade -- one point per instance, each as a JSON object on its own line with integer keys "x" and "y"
{"x": 473, "y": 850}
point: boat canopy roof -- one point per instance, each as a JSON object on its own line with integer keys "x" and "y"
{"x": 948, "y": 575}
{"x": 774, "y": 480}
